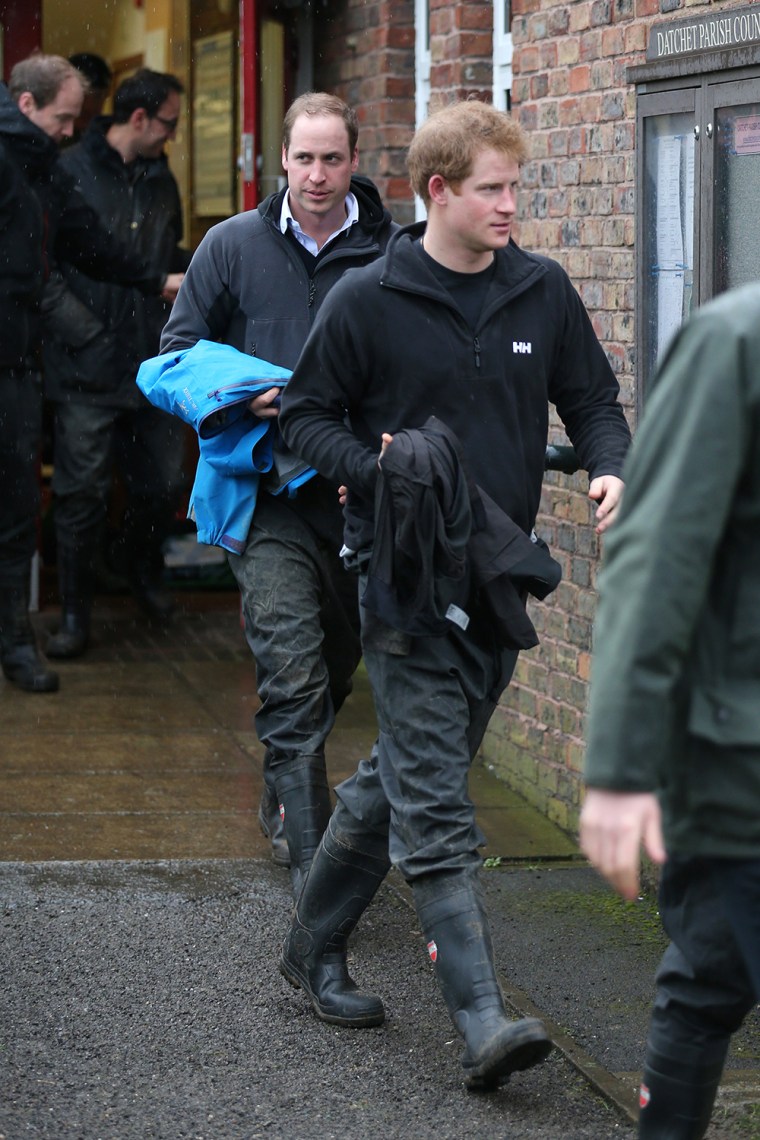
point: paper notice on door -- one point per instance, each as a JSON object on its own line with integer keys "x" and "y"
{"x": 670, "y": 294}
{"x": 747, "y": 135}
{"x": 669, "y": 225}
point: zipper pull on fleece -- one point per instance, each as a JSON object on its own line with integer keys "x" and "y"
{"x": 312, "y": 292}
{"x": 476, "y": 344}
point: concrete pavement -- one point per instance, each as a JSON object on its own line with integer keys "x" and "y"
{"x": 142, "y": 917}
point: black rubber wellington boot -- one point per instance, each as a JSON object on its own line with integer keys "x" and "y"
{"x": 270, "y": 820}
{"x": 72, "y": 636}
{"x": 76, "y": 587}
{"x": 458, "y": 939}
{"x": 340, "y": 886}
{"x": 141, "y": 541}
{"x": 23, "y": 664}
{"x": 676, "y": 1098}
{"x": 303, "y": 796}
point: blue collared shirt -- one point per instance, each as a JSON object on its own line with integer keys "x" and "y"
{"x": 287, "y": 219}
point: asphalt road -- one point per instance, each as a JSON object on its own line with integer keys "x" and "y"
{"x": 143, "y": 1000}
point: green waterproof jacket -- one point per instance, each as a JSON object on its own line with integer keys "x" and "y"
{"x": 675, "y": 686}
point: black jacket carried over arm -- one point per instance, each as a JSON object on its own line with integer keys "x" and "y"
{"x": 443, "y": 550}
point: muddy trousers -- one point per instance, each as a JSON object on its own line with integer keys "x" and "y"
{"x": 301, "y": 623}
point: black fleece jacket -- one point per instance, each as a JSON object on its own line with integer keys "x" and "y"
{"x": 390, "y": 348}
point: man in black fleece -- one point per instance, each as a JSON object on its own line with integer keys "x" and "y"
{"x": 256, "y": 282}
{"x": 459, "y": 323}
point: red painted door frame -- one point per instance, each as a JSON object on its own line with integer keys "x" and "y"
{"x": 21, "y": 21}
{"x": 249, "y": 102}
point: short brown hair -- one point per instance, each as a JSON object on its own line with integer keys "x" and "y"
{"x": 321, "y": 103}
{"x": 449, "y": 141}
{"x": 42, "y": 76}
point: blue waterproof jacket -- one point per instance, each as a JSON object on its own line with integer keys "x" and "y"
{"x": 209, "y": 386}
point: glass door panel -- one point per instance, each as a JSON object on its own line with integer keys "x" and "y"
{"x": 734, "y": 183}
{"x": 668, "y": 254}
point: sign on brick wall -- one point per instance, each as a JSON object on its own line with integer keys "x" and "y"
{"x": 718, "y": 31}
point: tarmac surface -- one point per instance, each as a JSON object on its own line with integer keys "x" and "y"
{"x": 141, "y": 920}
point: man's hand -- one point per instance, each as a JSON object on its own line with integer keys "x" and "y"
{"x": 614, "y": 827}
{"x": 171, "y": 286}
{"x": 267, "y": 404}
{"x": 387, "y": 440}
{"x": 607, "y": 490}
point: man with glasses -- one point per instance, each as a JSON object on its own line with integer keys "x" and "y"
{"x": 91, "y": 360}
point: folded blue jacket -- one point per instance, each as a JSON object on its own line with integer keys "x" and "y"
{"x": 209, "y": 386}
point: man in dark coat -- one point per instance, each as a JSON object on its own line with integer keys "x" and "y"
{"x": 41, "y": 216}
{"x": 256, "y": 282}
{"x": 91, "y": 358}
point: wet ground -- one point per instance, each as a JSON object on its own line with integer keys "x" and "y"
{"x": 141, "y": 920}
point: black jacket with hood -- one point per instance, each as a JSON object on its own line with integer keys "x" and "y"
{"x": 43, "y": 218}
{"x": 391, "y": 348}
{"x": 249, "y": 285}
{"x": 111, "y": 327}
{"x": 25, "y": 154}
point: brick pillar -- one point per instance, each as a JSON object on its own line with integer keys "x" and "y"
{"x": 364, "y": 52}
{"x": 461, "y": 49}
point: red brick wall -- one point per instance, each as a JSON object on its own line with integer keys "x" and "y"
{"x": 461, "y": 41}
{"x": 364, "y": 52}
{"x": 570, "y": 93}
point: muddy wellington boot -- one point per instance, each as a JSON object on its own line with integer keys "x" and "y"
{"x": 303, "y": 796}
{"x": 455, "y": 927}
{"x": 341, "y": 884}
{"x": 22, "y": 663}
{"x": 270, "y": 820}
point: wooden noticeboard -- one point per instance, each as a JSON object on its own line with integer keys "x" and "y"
{"x": 213, "y": 118}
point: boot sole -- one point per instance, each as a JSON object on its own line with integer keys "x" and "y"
{"x": 298, "y": 983}
{"x": 42, "y": 685}
{"x": 521, "y": 1050}
{"x": 65, "y": 651}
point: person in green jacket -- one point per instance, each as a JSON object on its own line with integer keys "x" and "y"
{"x": 673, "y": 758}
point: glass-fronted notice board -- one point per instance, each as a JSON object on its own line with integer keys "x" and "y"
{"x": 213, "y": 118}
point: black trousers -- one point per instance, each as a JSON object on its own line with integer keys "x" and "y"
{"x": 20, "y": 439}
{"x": 704, "y": 985}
